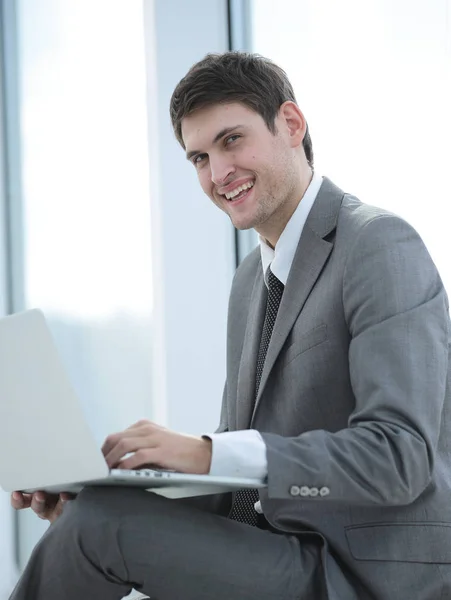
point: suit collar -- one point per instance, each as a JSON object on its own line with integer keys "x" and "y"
{"x": 248, "y": 364}
{"x": 323, "y": 216}
{"x": 281, "y": 257}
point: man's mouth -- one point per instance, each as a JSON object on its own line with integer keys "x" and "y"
{"x": 239, "y": 192}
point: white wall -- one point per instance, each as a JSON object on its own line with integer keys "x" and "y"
{"x": 7, "y": 559}
{"x": 196, "y": 240}
{"x": 374, "y": 81}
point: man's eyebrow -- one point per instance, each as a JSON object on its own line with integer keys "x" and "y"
{"x": 216, "y": 139}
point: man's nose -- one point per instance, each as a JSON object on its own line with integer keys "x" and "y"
{"x": 221, "y": 169}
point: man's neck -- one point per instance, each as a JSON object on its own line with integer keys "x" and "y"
{"x": 279, "y": 221}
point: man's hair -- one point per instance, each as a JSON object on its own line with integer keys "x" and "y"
{"x": 242, "y": 77}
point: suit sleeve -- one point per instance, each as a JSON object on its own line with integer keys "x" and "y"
{"x": 223, "y": 422}
{"x": 398, "y": 318}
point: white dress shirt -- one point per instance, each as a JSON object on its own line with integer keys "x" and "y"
{"x": 243, "y": 453}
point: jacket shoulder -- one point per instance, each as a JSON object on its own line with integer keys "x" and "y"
{"x": 247, "y": 269}
{"x": 357, "y": 215}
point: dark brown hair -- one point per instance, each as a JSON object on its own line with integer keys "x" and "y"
{"x": 234, "y": 77}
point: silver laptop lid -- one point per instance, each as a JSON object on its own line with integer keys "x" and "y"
{"x": 44, "y": 437}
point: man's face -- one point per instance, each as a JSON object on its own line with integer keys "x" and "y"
{"x": 248, "y": 172}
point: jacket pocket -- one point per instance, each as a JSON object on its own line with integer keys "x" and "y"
{"x": 308, "y": 340}
{"x": 401, "y": 542}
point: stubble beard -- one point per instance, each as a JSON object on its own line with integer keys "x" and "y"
{"x": 273, "y": 205}
{"x": 264, "y": 210}
{"x": 273, "y": 210}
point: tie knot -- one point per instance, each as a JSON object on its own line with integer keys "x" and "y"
{"x": 273, "y": 282}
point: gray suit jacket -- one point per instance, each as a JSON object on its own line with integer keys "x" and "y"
{"x": 354, "y": 401}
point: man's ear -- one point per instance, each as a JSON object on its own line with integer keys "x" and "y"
{"x": 295, "y": 124}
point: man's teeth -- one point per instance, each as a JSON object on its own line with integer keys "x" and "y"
{"x": 239, "y": 189}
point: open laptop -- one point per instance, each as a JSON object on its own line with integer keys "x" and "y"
{"x": 45, "y": 441}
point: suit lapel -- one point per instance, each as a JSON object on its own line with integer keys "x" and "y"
{"x": 248, "y": 364}
{"x": 311, "y": 256}
{"x": 303, "y": 275}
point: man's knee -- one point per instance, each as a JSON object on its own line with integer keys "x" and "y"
{"x": 88, "y": 529}
{"x": 86, "y": 521}
{"x": 79, "y": 515}
{"x": 99, "y": 500}
{"x": 87, "y": 505}
{"x": 98, "y": 505}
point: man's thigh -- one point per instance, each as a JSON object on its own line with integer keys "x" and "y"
{"x": 170, "y": 550}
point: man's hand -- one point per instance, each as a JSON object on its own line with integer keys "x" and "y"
{"x": 152, "y": 445}
{"x": 46, "y": 506}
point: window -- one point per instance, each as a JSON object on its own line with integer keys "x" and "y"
{"x": 81, "y": 239}
{"x": 136, "y": 290}
{"x": 373, "y": 79}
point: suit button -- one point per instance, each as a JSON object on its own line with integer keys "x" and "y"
{"x": 314, "y": 491}
{"x": 305, "y": 491}
{"x": 324, "y": 491}
{"x": 294, "y": 490}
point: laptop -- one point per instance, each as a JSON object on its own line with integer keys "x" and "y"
{"x": 45, "y": 441}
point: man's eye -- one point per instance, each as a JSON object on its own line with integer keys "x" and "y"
{"x": 199, "y": 158}
{"x": 232, "y": 138}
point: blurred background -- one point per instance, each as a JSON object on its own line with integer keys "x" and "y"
{"x": 102, "y": 222}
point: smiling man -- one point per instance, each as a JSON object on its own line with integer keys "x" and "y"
{"x": 337, "y": 392}
{"x": 248, "y": 172}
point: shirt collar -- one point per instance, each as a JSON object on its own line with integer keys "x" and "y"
{"x": 281, "y": 258}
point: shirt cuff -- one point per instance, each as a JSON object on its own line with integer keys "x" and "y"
{"x": 238, "y": 454}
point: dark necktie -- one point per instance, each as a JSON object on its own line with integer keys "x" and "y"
{"x": 243, "y": 507}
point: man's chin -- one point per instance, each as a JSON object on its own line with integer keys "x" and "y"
{"x": 241, "y": 227}
{"x": 243, "y": 224}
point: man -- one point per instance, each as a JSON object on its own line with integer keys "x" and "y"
{"x": 337, "y": 392}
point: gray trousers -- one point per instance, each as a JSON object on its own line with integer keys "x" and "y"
{"x": 109, "y": 541}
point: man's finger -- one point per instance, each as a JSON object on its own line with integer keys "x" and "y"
{"x": 17, "y": 500}
{"x": 65, "y": 497}
{"x": 125, "y": 446}
{"x": 20, "y": 500}
{"x": 58, "y": 509}
{"x": 43, "y": 504}
{"x": 142, "y": 458}
{"x": 112, "y": 440}
{"x": 139, "y": 424}
{"x": 38, "y": 505}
